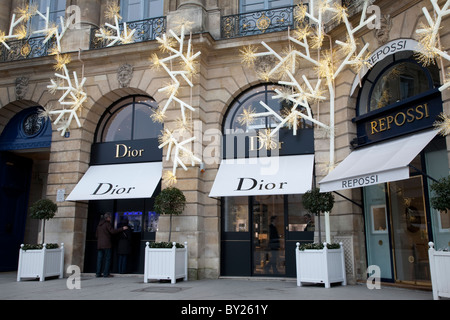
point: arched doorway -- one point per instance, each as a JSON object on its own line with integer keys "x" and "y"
{"x": 125, "y": 135}
{"x": 399, "y": 100}
{"x": 260, "y": 230}
{"x": 24, "y": 158}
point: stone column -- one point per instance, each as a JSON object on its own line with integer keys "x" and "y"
{"x": 84, "y": 15}
{"x": 191, "y": 3}
{"x": 205, "y": 16}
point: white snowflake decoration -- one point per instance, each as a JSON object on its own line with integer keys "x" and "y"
{"x": 429, "y": 49}
{"x": 187, "y": 61}
{"x": 73, "y": 98}
{"x": 183, "y": 57}
{"x": 181, "y": 154}
{"x": 325, "y": 66}
{"x": 51, "y": 30}
{"x": 127, "y": 36}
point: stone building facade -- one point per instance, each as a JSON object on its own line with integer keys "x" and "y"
{"x": 117, "y": 72}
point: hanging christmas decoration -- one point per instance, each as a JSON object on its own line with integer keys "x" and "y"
{"x": 185, "y": 59}
{"x": 73, "y": 95}
{"x": 429, "y": 50}
{"x": 181, "y": 154}
{"x": 72, "y": 98}
{"x": 180, "y": 65}
{"x": 19, "y": 27}
{"x": 113, "y": 33}
{"x": 328, "y": 64}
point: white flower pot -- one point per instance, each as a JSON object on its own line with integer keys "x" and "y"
{"x": 41, "y": 263}
{"x": 440, "y": 272}
{"x": 321, "y": 266}
{"x": 166, "y": 264}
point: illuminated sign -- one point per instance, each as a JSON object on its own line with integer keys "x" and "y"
{"x": 401, "y": 118}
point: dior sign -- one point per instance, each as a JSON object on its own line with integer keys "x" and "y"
{"x": 247, "y": 184}
{"x": 105, "y": 188}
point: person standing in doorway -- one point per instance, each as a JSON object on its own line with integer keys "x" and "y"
{"x": 124, "y": 247}
{"x": 274, "y": 246}
{"x": 104, "y": 244}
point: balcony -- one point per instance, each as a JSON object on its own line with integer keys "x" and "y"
{"x": 258, "y": 22}
{"x": 146, "y": 30}
{"x": 32, "y": 47}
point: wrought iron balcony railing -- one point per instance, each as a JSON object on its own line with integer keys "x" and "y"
{"x": 146, "y": 30}
{"x": 258, "y": 22}
{"x": 33, "y": 47}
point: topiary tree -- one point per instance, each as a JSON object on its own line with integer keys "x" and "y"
{"x": 170, "y": 201}
{"x": 43, "y": 209}
{"x": 316, "y": 202}
{"x": 441, "y": 198}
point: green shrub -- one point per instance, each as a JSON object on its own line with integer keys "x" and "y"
{"x": 165, "y": 245}
{"x": 48, "y": 246}
{"x": 318, "y": 246}
{"x": 440, "y": 200}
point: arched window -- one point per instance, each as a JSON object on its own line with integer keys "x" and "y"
{"x": 398, "y": 78}
{"x": 129, "y": 119}
{"x": 252, "y": 98}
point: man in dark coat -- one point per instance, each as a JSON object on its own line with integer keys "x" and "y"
{"x": 104, "y": 244}
{"x": 124, "y": 247}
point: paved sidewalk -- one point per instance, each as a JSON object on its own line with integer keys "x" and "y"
{"x": 132, "y": 287}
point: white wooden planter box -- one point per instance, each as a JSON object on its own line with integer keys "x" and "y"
{"x": 166, "y": 264}
{"x": 440, "y": 272}
{"x": 41, "y": 263}
{"x": 320, "y": 266}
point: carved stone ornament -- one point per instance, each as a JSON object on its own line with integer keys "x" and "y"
{"x": 21, "y": 87}
{"x": 382, "y": 34}
{"x": 124, "y": 75}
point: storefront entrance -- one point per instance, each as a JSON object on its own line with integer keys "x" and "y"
{"x": 24, "y": 159}
{"x": 400, "y": 221}
{"x": 123, "y": 179}
{"x": 141, "y": 219}
{"x": 268, "y": 236}
{"x": 260, "y": 233}
{"x": 15, "y": 177}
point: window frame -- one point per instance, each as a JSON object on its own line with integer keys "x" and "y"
{"x": 145, "y": 13}
{"x": 267, "y": 3}
{"x": 54, "y": 13}
{"x": 372, "y": 79}
{"x": 129, "y": 101}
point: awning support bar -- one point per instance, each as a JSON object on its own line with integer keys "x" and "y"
{"x": 421, "y": 172}
{"x": 355, "y": 203}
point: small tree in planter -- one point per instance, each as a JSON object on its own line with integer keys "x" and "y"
{"x": 440, "y": 259}
{"x": 42, "y": 260}
{"x": 316, "y": 203}
{"x": 170, "y": 201}
{"x": 165, "y": 260}
{"x": 43, "y": 209}
{"x": 319, "y": 262}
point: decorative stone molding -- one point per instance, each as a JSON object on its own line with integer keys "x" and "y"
{"x": 124, "y": 75}
{"x": 21, "y": 87}
{"x": 383, "y": 34}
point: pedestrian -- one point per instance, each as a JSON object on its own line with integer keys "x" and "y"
{"x": 104, "y": 244}
{"x": 274, "y": 247}
{"x": 124, "y": 247}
